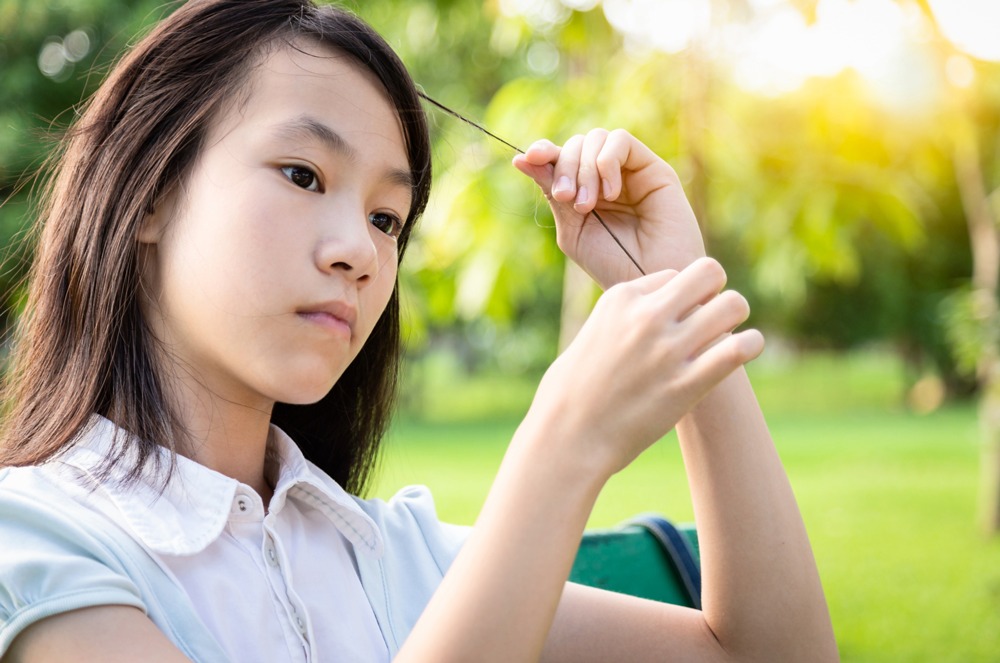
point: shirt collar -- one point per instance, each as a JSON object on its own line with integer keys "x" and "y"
{"x": 194, "y": 507}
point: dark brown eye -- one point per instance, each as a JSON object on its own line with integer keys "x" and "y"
{"x": 302, "y": 177}
{"x": 385, "y": 222}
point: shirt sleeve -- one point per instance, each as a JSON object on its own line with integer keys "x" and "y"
{"x": 443, "y": 540}
{"x": 50, "y": 563}
{"x": 418, "y": 549}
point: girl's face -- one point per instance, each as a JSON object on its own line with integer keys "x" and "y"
{"x": 268, "y": 267}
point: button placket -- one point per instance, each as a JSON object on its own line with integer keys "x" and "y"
{"x": 270, "y": 553}
{"x": 301, "y": 625}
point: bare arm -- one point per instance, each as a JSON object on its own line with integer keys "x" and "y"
{"x": 640, "y": 366}
{"x": 106, "y": 634}
{"x": 645, "y": 358}
{"x": 762, "y": 599}
{"x": 761, "y": 595}
{"x": 761, "y": 592}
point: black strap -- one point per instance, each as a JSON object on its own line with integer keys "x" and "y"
{"x": 678, "y": 548}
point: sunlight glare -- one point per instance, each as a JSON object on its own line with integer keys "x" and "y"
{"x": 540, "y": 14}
{"x": 669, "y": 26}
{"x": 971, "y": 25}
{"x": 782, "y": 51}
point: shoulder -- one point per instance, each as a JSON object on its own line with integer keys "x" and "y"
{"x": 417, "y": 551}
{"x": 408, "y": 522}
{"x": 34, "y": 504}
{"x": 54, "y": 558}
{"x": 58, "y": 554}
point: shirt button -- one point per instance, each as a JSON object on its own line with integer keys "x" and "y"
{"x": 243, "y": 504}
{"x": 302, "y": 625}
{"x": 269, "y": 552}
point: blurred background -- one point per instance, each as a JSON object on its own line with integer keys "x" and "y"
{"x": 843, "y": 158}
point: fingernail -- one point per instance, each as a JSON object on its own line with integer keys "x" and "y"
{"x": 563, "y": 184}
{"x": 607, "y": 188}
{"x": 581, "y": 195}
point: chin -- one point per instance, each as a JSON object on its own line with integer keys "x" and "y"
{"x": 308, "y": 385}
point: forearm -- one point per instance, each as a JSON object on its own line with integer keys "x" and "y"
{"x": 761, "y": 592}
{"x": 498, "y": 599}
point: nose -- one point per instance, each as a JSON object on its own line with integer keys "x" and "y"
{"x": 347, "y": 247}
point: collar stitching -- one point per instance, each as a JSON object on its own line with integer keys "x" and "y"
{"x": 371, "y": 546}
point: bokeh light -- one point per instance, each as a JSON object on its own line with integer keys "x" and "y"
{"x": 960, "y": 71}
{"x": 58, "y": 55}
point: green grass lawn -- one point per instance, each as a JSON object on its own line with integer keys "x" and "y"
{"x": 888, "y": 498}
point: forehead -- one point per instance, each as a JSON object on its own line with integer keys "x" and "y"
{"x": 308, "y": 80}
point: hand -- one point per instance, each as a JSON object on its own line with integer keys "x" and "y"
{"x": 651, "y": 349}
{"x": 636, "y": 193}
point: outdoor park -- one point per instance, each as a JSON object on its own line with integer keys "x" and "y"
{"x": 843, "y": 159}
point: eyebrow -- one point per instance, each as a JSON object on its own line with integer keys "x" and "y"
{"x": 309, "y": 128}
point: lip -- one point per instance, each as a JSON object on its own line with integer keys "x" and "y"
{"x": 335, "y": 316}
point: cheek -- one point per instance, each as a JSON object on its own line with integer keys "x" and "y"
{"x": 375, "y": 297}
{"x": 231, "y": 261}
{"x": 233, "y": 275}
{"x": 373, "y": 300}
{"x": 229, "y": 276}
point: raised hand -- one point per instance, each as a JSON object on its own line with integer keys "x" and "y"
{"x": 649, "y": 352}
{"x": 636, "y": 193}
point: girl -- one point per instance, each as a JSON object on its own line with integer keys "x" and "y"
{"x": 208, "y": 362}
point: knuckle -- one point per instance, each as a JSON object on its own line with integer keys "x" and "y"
{"x": 732, "y": 355}
{"x": 672, "y": 175}
{"x": 713, "y": 269}
{"x": 598, "y": 133}
{"x": 562, "y": 168}
{"x": 613, "y": 293}
{"x": 546, "y": 143}
{"x": 606, "y": 162}
{"x": 647, "y": 313}
{"x": 623, "y": 293}
{"x": 619, "y": 133}
{"x": 736, "y": 303}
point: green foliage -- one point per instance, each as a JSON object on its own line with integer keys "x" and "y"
{"x": 35, "y": 108}
{"x": 971, "y": 326}
{"x": 836, "y": 215}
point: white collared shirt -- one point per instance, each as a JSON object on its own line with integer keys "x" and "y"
{"x": 280, "y": 586}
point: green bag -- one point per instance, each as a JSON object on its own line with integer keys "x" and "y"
{"x": 646, "y": 556}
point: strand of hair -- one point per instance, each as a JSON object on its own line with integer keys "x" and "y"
{"x": 519, "y": 150}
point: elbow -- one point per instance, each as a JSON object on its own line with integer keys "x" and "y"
{"x": 788, "y": 645}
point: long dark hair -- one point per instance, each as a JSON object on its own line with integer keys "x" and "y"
{"x": 82, "y": 345}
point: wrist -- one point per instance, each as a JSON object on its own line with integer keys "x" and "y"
{"x": 556, "y": 443}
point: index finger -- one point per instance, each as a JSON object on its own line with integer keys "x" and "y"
{"x": 542, "y": 152}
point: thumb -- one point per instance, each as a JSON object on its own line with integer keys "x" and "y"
{"x": 542, "y": 174}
